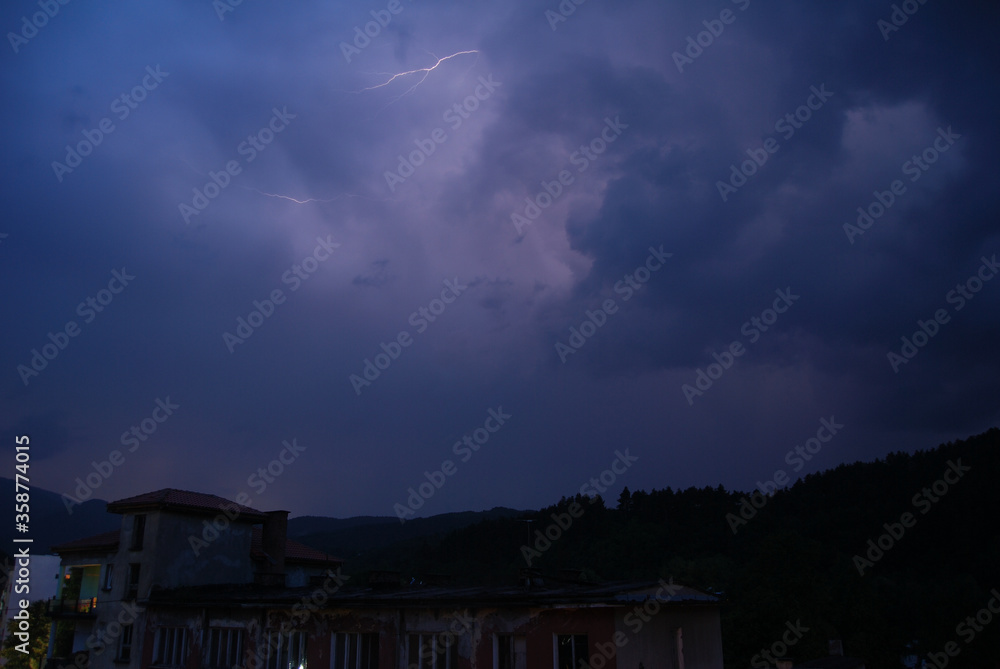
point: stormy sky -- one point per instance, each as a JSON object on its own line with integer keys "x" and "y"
{"x": 357, "y": 228}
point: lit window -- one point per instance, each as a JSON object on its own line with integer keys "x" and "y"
{"x": 108, "y": 571}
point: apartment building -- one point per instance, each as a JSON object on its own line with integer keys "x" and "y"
{"x": 194, "y": 581}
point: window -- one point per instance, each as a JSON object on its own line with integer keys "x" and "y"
{"x": 108, "y": 571}
{"x": 225, "y": 647}
{"x": 286, "y": 651}
{"x": 125, "y": 644}
{"x": 571, "y": 651}
{"x": 138, "y": 529}
{"x": 132, "y": 591}
{"x": 170, "y": 647}
{"x": 509, "y": 651}
{"x": 354, "y": 651}
{"x": 432, "y": 651}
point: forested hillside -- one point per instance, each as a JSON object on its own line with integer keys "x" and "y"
{"x": 803, "y": 555}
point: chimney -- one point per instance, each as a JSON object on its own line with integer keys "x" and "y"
{"x": 836, "y": 648}
{"x": 273, "y": 537}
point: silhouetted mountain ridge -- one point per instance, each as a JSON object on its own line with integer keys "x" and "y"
{"x": 349, "y": 537}
{"x": 50, "y": 521}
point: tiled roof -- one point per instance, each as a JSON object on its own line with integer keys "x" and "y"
{"x": 294, "y": 551}
{"x": 106, "y": 542}
{"x": 184, "y": 500}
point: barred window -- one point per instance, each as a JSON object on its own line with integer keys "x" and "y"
{"x": 509, "y": 651}
{"x": 225, "y": 647}
{"x": 354, "y": 651}
{"x": 432, "y": 651}
{"x": 170, "y": 647}
{"x": 286, "y": 651}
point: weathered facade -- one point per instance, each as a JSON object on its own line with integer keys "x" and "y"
{"x": 252, "y": 599}
{"x": 169, "y": 539}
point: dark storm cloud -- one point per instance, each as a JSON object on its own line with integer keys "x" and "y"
{"x": 509, "y": 115}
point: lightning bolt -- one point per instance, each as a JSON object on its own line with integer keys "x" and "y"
{"x": 317, "y": 199}
{"x": 278, "y": 195}
{"x": 426, "y": 71}
{"x": 257, "y": 190}
{"x": 306, "y": 201}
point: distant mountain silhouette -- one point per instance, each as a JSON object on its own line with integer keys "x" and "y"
{"x": 351, "y": 537}
{"x": 51, "y": 524}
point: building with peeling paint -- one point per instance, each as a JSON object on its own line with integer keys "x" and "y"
{"x": 194, "y": 581}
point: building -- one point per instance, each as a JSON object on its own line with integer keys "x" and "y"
{"x": 169, "y": 539}
{"x": 193, "y": 581}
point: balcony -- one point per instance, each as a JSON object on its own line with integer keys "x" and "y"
{"x": 85, "y": 608}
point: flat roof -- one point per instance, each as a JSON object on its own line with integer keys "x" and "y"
{"x": 617, "y": 594}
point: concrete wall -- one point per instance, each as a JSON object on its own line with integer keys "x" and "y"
{"x": 167, "y": 560}
{"x": 597, "y": 623}
{"x": 111, "y": 619}
{"x": 168, "y": 556}
{"x": 654, "y": 643}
